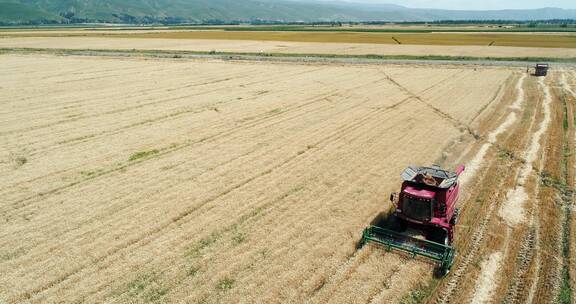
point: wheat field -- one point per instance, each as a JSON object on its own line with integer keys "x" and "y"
{"x": 205, "y": 181}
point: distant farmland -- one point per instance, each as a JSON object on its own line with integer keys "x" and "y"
{"x": 549, "y": 40}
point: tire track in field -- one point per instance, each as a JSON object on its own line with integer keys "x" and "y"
{"x": 455, "y": 122}
{"x": 187, "y": 110}
{"x": 477, "y": 238}
{"x": 44, "y": 108}
{"x": 306, "y": 220}
{"x": 343, "y": 269}
{"x": 445, "y": 295}
{"x": 227, "y": 232}
{"x": 359, "y": 123}
{"x": 144, "y": 122}
{"x": 162, "y": 118}
{"x": 523, "y": 261}
{"x": 250, "y": 124}
{"x": 152, "y": 71}
{"x": 79, "y": 166}
{"x": 276, "y": 122}
{"x": 67, "y": 73}
{"x": 259, "y": 118}
{"x": 105, "y": 113}
{"x": 136, "y": 107}
{"x": 526, "y": 252}
{"x": 150, "y": 235}
{"x": 497, "y": 96}
{"x": 243, "y": 75}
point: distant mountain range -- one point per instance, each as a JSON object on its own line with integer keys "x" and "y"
{"x": 202, "y": 11}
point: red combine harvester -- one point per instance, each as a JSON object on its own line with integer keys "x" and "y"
{"x": 424, "y": 217}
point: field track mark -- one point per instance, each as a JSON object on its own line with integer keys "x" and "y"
{"x": 523, "y": 261}
{"x": 379, "y": 294}
{"x": 497, "y": 96}
{"x": 527, "y": 253}
{"x": 344, "y": 268}
{"x": 136, "y": 93}
{"x": 165, "y": 117}
{"x": 252, "y": 123}
{"x": 139, "y": 106}
{"x": 260, "y": 116}
{"x": 334, "y": 276}
{"x": 478, "y": 236}
{"x": 456, "y": 123}
{"x": 339, "y": 134}
{"x": 354, "y": 261}
{"x": 340, "y": 131}
{"x": 566, "y": 86}
{"x": 157, "y": 230}
{"x": 45, "y": 80}
{"x": 150, "y": 235}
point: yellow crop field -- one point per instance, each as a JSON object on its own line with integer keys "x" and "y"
{"x": 535, "y": 40}
{"x": 518, "y": 40}
{"x": 208, "y": 181}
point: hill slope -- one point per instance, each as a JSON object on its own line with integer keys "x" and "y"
{"x": 178, "y": 11}
{"x": 138, "y": 11}
{"x": 21, "y": 13}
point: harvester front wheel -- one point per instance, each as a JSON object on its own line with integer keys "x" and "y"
{"x": 454, "y": 219}
{"x": 442, "y": 272}
{"x": 440, "y": 236}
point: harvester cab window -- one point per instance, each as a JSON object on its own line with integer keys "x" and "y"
{"x": 417, "y": 208}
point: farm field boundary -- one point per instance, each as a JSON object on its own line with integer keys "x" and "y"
{"x": 329, "y": 58}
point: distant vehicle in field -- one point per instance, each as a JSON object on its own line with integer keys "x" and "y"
{"x": 541, "y": 69}
{"x": 424, "y": 216}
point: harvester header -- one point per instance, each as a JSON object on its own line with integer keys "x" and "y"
{"x": 424, "y": 216}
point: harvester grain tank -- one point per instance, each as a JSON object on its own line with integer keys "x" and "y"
{"x": 424, "y": 216}
{"x": 541, "y": 69}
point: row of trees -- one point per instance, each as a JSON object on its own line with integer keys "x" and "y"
{"x": 71, "y": 18}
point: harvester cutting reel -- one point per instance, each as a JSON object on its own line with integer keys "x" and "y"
{"x": 442, "y": 255}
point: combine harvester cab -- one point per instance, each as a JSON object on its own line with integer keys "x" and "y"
{"x": 424, "y": 216}
{"x": 541, "y": 69}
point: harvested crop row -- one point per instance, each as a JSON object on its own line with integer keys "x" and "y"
{"x": 213, "y": 181}
{"x": 522, "y": 257}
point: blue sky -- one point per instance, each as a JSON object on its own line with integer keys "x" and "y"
{"x": 477, "y": 4}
